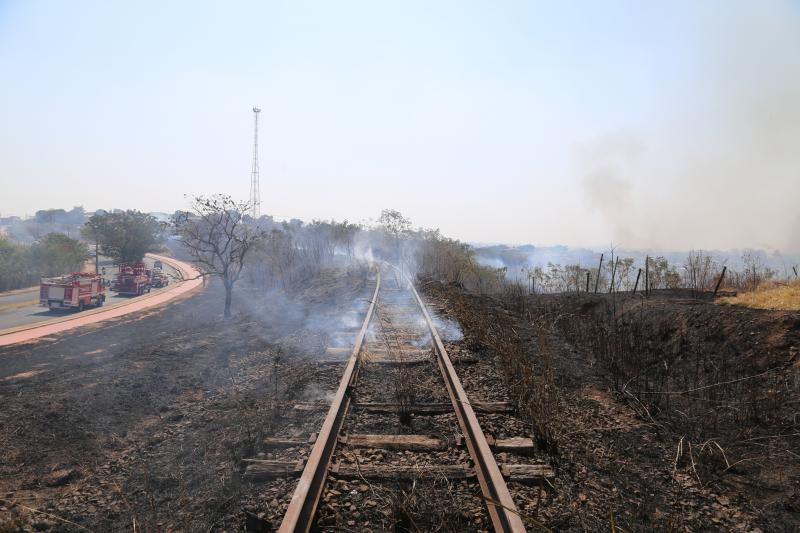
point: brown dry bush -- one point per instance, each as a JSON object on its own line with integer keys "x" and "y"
{"x": 692, "y": 380}
{"x": 530, "y": 378}
{"x": 417, "y": 506}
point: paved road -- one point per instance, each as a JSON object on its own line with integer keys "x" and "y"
{"x": 21, "y": 308}
{"x": 14, "y": 299}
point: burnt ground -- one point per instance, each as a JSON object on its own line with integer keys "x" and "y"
{"x": 141, "y": 424}
{"x": 631, "y": 454}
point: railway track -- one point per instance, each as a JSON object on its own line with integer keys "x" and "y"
{"x": 401, "y": 443}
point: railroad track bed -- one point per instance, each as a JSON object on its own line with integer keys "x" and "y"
{"x": 395, "y": 468}
{"x": 391, "y": 449}
{"x": 276, "y": 466}
{"x": 484, "y": 383}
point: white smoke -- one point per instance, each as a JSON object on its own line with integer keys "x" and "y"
{"x": 719, "y": 165}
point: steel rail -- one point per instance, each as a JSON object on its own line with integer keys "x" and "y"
{"x": 300, "y": 513}
{"x": 499, "y": 503}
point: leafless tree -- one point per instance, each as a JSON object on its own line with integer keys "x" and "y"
{"x": 217, "y": 238}
{"x": 755, "y": 270}
{"x": 699, "y": 270}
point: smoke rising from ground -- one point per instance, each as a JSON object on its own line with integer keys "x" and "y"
{"x": 719, "y": 164}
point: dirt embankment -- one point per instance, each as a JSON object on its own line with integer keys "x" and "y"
{"x": 671, "y": 414}
{"x": 142, "y": 423}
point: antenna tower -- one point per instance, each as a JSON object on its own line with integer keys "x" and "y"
{"x": 255, "y": 189}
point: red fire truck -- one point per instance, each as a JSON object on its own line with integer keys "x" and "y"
{"x": 133, "y": 279}
{"x": 158, "y": 279}
{"x": 72, "y": 291}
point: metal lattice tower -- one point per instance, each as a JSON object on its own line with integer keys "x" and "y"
{"x": 255, "y": 189}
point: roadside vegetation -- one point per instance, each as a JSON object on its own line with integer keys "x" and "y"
{"x": 30, "y": 252}
{"x": 783, "y": 295}
{"x": 22, "y": 265}
{"x": 124, "y": 236}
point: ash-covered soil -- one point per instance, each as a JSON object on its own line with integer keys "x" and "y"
{"x": 674, "y": 446}
{"x": 142, "y": 424}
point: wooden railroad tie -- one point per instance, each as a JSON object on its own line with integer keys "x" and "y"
{"x": 343, "y": 351}
{"x": 432, "y": 408}
{"x": 417, "y": 443}
{"x": 396, "y": 360}
{"x": 282, "y": 442}
{"x": 425, "y": 335}
{"x": 258, "y": 470}
{"x": 401, "y": 472}
{"x": 335, "y": 354}
{"x": 267, "y": 469}
{"x": 311, "y": 406}
{"x": 525, "y": 474}
{"x": 518, "y": 445}
{"x": 345, "y": 334}
{"x": 402, "y": 350}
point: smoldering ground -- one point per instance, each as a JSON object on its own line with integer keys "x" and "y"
{"x": 147, "y": 419}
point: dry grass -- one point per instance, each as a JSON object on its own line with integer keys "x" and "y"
{"x": 784, "y": 295}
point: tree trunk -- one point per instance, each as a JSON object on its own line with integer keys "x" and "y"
{"x": 228, "y": 298}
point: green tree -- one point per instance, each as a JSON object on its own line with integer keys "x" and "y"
{"x": 15, "y": 265}
{"x": 56, "y": 254}
{"x": 91, "y": 232}
{"x": 124, "y": 236}
{"x": 395, "y": 226}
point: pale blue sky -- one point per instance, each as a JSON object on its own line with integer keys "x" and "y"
{"x": 671, "y": 125}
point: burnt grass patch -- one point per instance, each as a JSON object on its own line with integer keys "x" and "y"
{"x": 142, "y": 424}
{"x": 661, "y": 414}
{"x": 667, "y": 414}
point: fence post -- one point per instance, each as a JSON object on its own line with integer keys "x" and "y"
{"x": 597, "y": 279}
{"x": 636, "y": 285}
{"x": 587, "y": 281}
{"x": 613, "y": 274}
{"x": 719, "y": 281}
{"x": 647, "y": 276}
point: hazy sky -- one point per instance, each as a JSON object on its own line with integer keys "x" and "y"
{"x": 674, "y": 125}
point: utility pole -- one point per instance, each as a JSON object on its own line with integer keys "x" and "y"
{"x": 92, "y": 223}
{"x": 255, "y": 188}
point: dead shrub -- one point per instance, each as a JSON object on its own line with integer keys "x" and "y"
{"x": 529, "y": 377}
